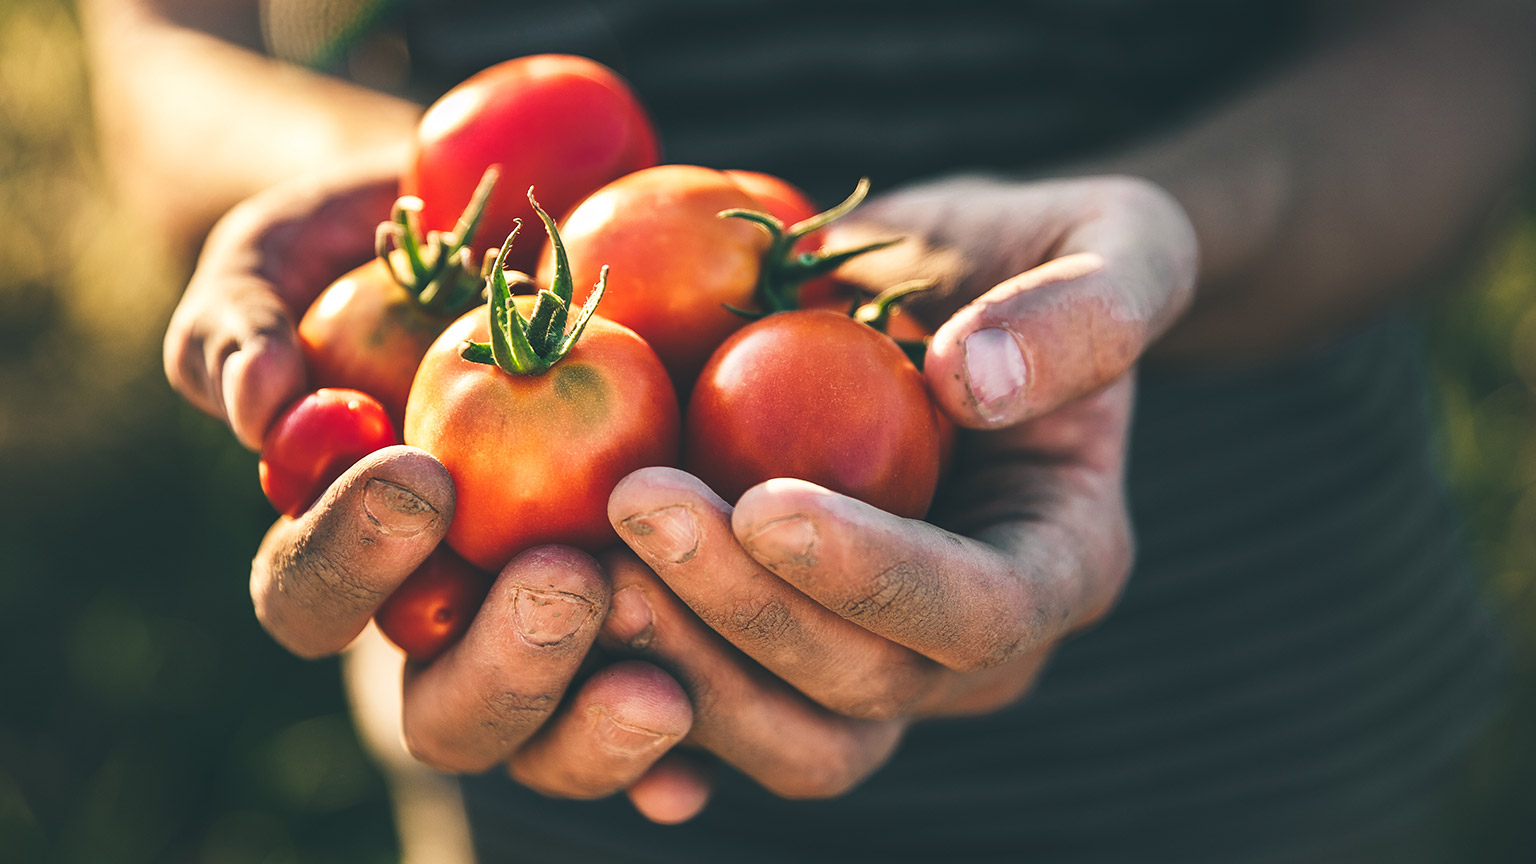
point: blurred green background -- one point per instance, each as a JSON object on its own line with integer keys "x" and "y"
{"x": 144, "y": 717}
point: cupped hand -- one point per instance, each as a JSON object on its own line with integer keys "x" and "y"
{"x": 232, "y": 346}
{"x": 1046, "y": 290}
{"x": 809, "y": 628}
{"x": 513, "y": 691}
{"x": 521, "y": 688}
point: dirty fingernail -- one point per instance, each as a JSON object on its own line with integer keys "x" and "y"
{"x": 625, "y": 739}
{"x": 396, "y": 509}
{"x": 547, "y": 618}
{"x": 788, "y": 540}
{"x": 668, "y": 534}
{"x": 630, "y": 618}
{"x": 995, "y": 371}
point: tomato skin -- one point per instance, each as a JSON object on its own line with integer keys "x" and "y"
{"x": 674, "y": 264}
{"x": 367, "y": 333}
{"x": 533, "y": 457}
{"x": 562, "y": 124}
{"x": 434, "y": 605}
{"x": 315, "y": 441}
{"x": 819, "y": 396}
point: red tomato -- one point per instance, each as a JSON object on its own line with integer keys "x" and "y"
{"x": 368, "y": 333}
{"x": 315, "y": 441}
{"x": 433, "y": 607}
{"x": 819, "y": 396}
{"x": 564, "y": 124}
{"x": 369, "y": 329}
{"x": 675, "y": 264}
{"x": 679, "y": 267}
{"x": 533, "y": 457}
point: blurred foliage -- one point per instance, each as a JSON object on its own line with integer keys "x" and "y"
{"x": 1484, "y": 351}
{"x": 145, "y": 717}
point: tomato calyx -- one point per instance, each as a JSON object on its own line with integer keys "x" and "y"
{"x": 876, "y": 313}
{"x": 531, "y": 346}
{"x": 784, "y": 270}
{"x": 437, "y": 268}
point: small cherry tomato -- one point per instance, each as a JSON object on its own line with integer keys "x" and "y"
{"x": 434, "y": 606}
{"x": 819, "y": 396}
{"x": 315, "y": 441}
{"x": 563, "y": 124}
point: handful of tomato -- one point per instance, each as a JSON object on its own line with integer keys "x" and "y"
{"x": 661, "y": 281}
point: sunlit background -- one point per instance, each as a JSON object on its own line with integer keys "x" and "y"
{"x": 144, "y": 717}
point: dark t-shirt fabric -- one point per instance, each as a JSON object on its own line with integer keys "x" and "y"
{"x": 1301, "y": 652}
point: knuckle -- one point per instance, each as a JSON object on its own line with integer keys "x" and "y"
{"x": 902, "y": 588}
{"x": 827, "y": 771}
{"x": 498, "y": 723}
{"x": 510, "y": 715}
{"x": 885, "y": 693}
{"x": 308, "y": 598}
{"x": 763, "y": 620}
{"x": 555, "y": 784}
{"x": 440, "y": 753}
{"x": 1114, "y": 571}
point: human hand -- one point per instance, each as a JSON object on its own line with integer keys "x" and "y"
{"x": 232, "y": 345}
{"x": 1047, "y": 291}
{"x": 810, "y": 628}
{"x": 496, "y": 697}
{"x": 519, "y": 688}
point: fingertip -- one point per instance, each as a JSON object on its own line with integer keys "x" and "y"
{"x": 640, "y": 695}
{"x": 317, "y": 579}
{"x": 261, "y": 378}
{"x": 424, "y": 485}
{"x": 674, "y": 790}
{"x": 650, "y": 488}
{"x": 773, "y": 503}
{"x": 979, "y": 373}
{"x": 554, "y": 564}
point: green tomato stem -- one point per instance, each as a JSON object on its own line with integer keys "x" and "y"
{"x": 783, "y": 270}
{"x": 530, "y": 346}
{"x": 438, "y": 268}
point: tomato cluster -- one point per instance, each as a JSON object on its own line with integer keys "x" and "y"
{"x": 715, "y": 294}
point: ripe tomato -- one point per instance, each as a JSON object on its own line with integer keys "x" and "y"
{"x": 819, "y": 396}
{"x": 434, "y": 606}
{"x": 369, "y": 329}
{"x": 368, "y": 333}
{"x": 315, "y": 441}
{"x": 679, "y": 266}
{"x": 542, "y": 423}
{"x": 564, "y": 124}
{"x": 675, "y": 264}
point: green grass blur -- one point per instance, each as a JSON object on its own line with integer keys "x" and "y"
{"x": 144, "y": 717}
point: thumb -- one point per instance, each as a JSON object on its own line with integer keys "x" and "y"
{"x": 1068, "y": 327}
